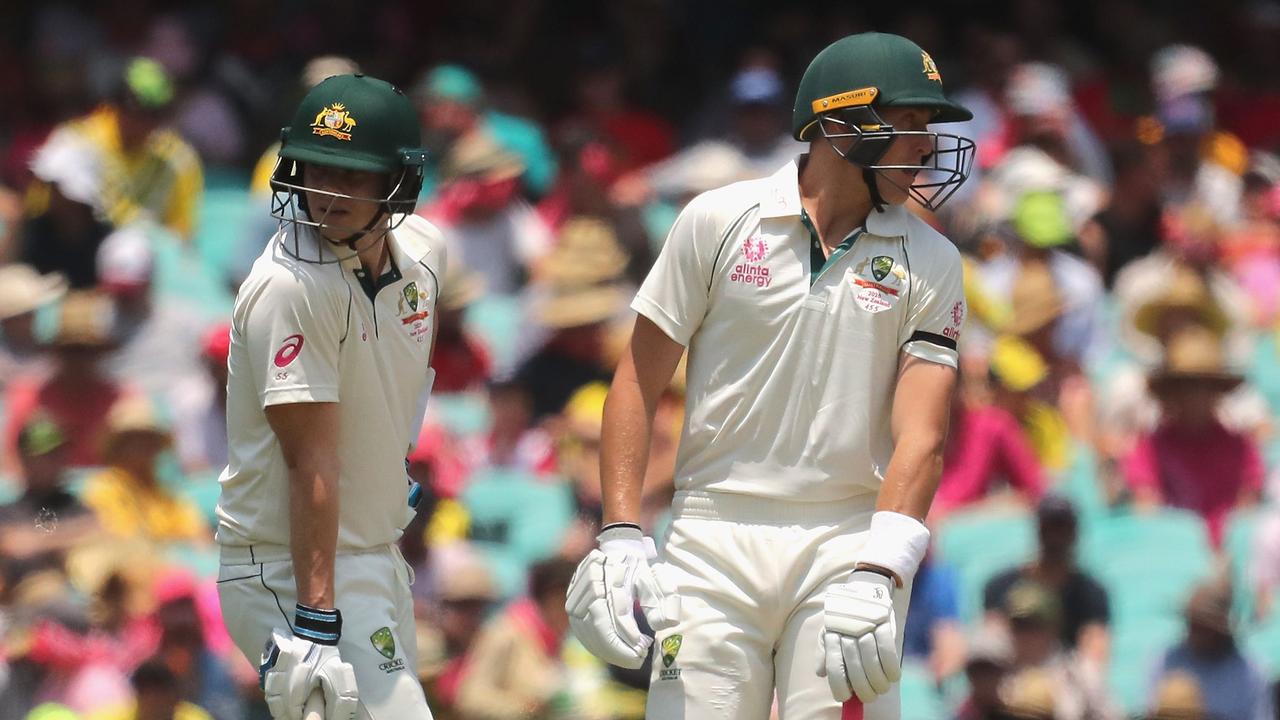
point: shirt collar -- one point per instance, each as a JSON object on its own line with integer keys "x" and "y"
{"x": 782, "y": 199}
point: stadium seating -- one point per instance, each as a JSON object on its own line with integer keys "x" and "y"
{"x": 981, "y": 543}
{"x": 516, "y": 520}
{"x": 1149, "y": 562}
{"x": 920, "y": 699}
{"x": 1137, "y": 645}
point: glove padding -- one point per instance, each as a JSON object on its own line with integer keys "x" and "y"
{"x": 859, "y": 644}
{"x": 602, "y": 596}
{"x": 292, "y": 667}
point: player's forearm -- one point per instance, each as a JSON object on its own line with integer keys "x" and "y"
{"x": 313, "y": 530}
{"x": 624, "y": 448}
{"x": 914, "y": 472}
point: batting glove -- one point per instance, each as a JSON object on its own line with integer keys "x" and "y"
{"x": 603, "y": 593}
{"x": 859, "y": 643}
{"x": 294, "y": 665}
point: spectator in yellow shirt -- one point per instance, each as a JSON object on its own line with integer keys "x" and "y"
{"x": 157, "y": 698}
{"x": 127, "y": 497}
{"x": 147, "y": 168}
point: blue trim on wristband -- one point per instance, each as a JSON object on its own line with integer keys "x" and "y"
{"x": 323, "y": 627}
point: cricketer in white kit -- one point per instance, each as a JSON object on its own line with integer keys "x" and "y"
{"x": 821, "y": 319}
{"x": 329, "y": 372}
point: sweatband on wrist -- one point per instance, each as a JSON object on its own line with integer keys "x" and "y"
{"x": 895, "y": 542}
{"x": 322, "y": 627}
{"x": 620, "y": 531}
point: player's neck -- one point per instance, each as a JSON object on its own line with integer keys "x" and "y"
{"x": 834, "y": 196}
{"x": 376, "y": 247}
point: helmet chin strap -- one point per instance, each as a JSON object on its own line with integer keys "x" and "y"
{"x": 350, "y": 240}
{"x": 873, "y": 187}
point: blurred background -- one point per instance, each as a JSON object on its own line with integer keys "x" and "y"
{"x": 1107, "y": 531}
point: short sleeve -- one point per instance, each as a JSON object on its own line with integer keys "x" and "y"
{"x": 993, "y": 595}
{"x": 293, "y": 334}
{"x": 1095, "y": 607}
{"x": 937, "y": 311}
{"x": 675, "y": 294}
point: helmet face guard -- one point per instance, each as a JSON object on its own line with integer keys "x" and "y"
{"x": 289, "y": 205}
{"x": 941, "y": 172}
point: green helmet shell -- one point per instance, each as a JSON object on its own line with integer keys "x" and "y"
{"x": 877, "y": 69}
{"x": 355, "y": 122}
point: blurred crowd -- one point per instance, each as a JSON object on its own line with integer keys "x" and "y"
{"x": 1120, "y": 364}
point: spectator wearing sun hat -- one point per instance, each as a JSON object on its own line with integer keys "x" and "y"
{"x": 23, "y": 291}
{"x": 485, "y": 221}
{"x": 1127, "y": 407}
{"x": 1231, "y": 686}
{"x": 46, "y": 519}
{"x": 1191, "y": 460}
{"x": 76, "y": 393}
{"x": 1076, "y": 689}
{"x": 128, "y": 497}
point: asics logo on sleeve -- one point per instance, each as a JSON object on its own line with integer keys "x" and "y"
{"x": 289, "y": 350}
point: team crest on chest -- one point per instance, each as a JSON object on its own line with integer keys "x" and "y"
{"x": 411, "y": 295}
{"x": 878, "y": 283}
{"x": 412, "y": 311}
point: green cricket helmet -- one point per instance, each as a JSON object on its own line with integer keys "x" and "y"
{"x": 354, "y": 122}
{"x": 849, "y": 81}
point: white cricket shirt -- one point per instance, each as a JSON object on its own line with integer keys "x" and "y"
{"x": 791, "y": 373}
{"x": 308, "y": 332}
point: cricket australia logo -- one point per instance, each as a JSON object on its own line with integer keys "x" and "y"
{"x": 751, "y": 272}
{"x": 410, "y": 298}
{"x": 881, "y": 291}
{"x": 670, "y": 648}
{"x": 411, "y": 295}
{"x": 333, "y": 121}
{"x": 385, "y": 643}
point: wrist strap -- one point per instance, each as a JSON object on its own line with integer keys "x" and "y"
{"x": 322, "y": 627}
{"x": 620, "y": 531}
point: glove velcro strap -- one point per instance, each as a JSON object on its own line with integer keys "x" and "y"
{"x": 322, "y": 627}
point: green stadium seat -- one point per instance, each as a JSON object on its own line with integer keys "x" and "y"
{"x": 981, "y": 543}
{"x": 516, "y": 520}
{"x": 920, "y": 699}
{"x": 462, "y": 414}
{"x": 1137, "y": 645}
{"x": 1148, "y": 562}
{"x": 1237, "y": 542}
{"x": 1262, "y": 645}
{"x": 496, "y": 320}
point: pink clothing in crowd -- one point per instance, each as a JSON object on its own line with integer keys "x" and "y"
{"x": 1205, "y": 470}
{"x": 984, "y": 445}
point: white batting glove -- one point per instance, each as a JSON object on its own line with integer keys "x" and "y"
{"x": 859, "y": 644}
{"x": 603, "y": 592}
{"x": 295, "y": 664}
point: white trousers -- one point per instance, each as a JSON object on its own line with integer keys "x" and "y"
{"x": 379, "y": 640}
{"x": 751, "y": 575}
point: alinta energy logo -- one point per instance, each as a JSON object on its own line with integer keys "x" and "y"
{"x": 751, "y": 272}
